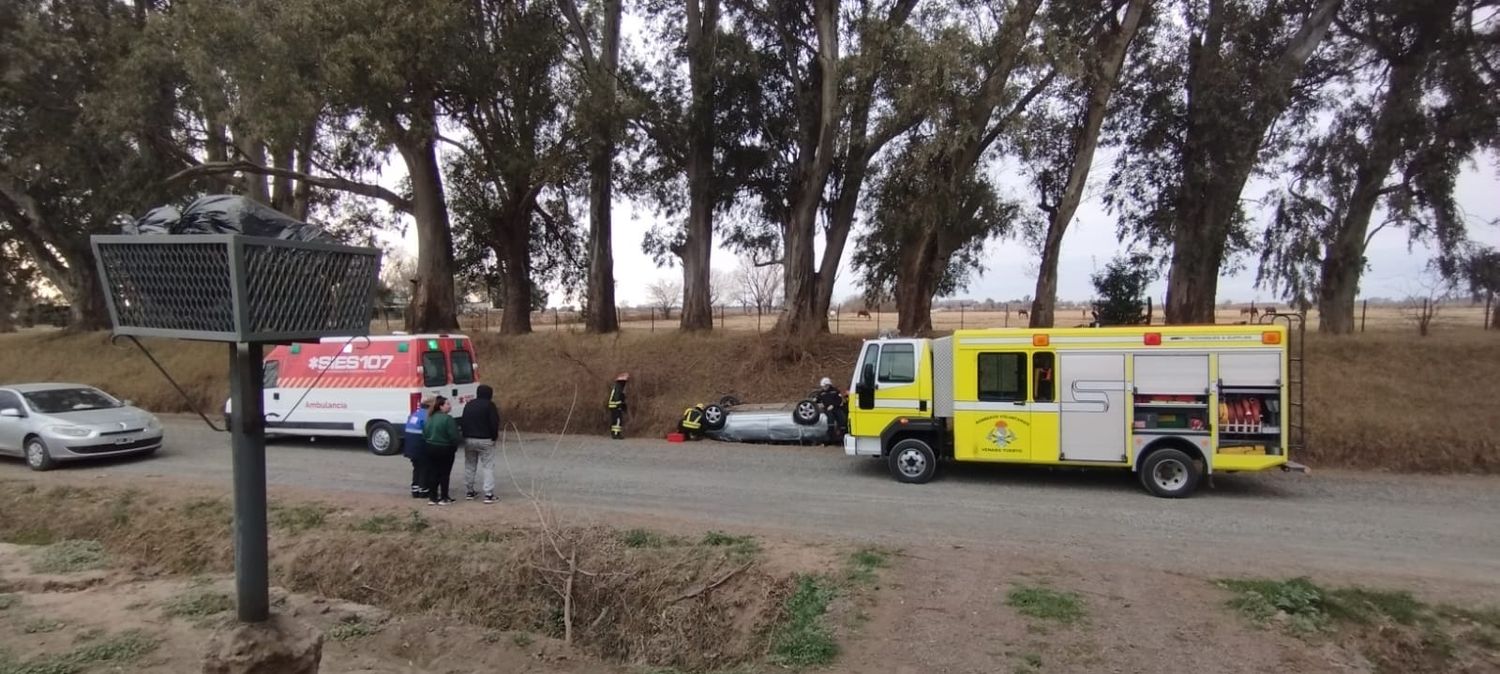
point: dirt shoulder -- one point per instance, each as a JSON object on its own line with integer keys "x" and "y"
{"x": 144, "y": 601}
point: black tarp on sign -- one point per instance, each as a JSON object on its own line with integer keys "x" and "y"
{"x": 227, "y": 214}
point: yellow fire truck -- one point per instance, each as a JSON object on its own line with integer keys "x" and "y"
{"x": 1172, "y": 403}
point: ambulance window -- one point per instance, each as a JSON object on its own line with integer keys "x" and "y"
{"x": 434, "y": 369}
{"x": 898, "y": 364}
{"x": 269, "y": 373}
{"x": 1002, "y": 377}
{"x": 463, "y": 367}
{"x": 1043, "y": 374}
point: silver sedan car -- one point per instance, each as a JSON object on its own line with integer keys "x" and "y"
{"x": 50, "y": 423}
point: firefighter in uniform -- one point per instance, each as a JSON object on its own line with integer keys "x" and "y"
{"x": 692, "y": 422}
{"x": 836, "y": 407}
{"x": 617, "y": 406}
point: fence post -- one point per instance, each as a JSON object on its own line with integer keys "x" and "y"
{"x": 1007, "y": 314}
{"x": 653, "y": 319}
{"x": 839, "y": 312}
{"x": 1364, "y": 309}
{"x": 960, "y": 315}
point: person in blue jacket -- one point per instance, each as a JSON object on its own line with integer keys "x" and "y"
{"x": 412, "y": 447}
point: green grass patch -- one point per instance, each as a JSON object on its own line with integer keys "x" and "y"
{"x": 215, "y": 509}
{"x": 1046, "y": 604}
{"x": 802, "y": 639}
{"x": 738, "y": 545}
{"x": 121, "y": 649}
{"x": 352, "y": 629}
{"x": 198, "y": 604}
{"x": 521, "y": 639}
{"x": 864, "y": 563}
{"x": 1308, "y": 607}
{"x": 31, "y": 534}
{"x": 1303, "y": 602}
{"x": 386, "y": 524}
{"x": 69, "y": 556}
{"x": 42, "y": 626}
{"x": 646, "y": 538}
{"x": 296, "y": 519}
{"x": 9, "y": 600}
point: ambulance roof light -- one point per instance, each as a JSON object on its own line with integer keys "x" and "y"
{"x": 398, "y": 332}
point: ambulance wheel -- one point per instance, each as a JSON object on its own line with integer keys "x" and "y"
{"x": 1170, "y": 473}
{"x": 382, "y": 439}
{"x": 912, "y": 461}
{"x": 714, "y": 418}
{"x": 806, "y": 413}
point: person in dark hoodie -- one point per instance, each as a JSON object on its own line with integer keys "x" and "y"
{"x": 481, "y": 428}
{"x": 411, "y": 448}
{"x": 441, "y": 439}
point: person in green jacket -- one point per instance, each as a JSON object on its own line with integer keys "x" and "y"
{"x": 442, "y": 439}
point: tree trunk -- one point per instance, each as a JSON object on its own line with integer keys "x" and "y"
{"x": 434, "y": 305}
{"x": 816, "y": 161}
{"x": 515, "y": 263}
{"x": 1224, "y": 136}
{"x": 697, "y": 248}
{"x": 1344, "y": 257}
{"x": 602, "y": 316}
{"x": 7, "y": 305}
{"x": 1044, "y": 303}
{"x": 1060, "y": 214}
{"x": 86, "y": 296}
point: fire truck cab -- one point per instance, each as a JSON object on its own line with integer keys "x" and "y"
{"x": 364, "y": 386}
{"x": 1171, "y": 403}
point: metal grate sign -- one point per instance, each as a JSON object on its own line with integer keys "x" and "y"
{"x": 234, "y": 288}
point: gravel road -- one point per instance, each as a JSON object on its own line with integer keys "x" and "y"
{"x": 1440, "y": 531}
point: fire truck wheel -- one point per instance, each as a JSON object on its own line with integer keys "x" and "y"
{"x": 382, "y": 439}
{"x": 1170, "y": 473}
{"x": 912, "y": 461}
{"x": 714, "y": 417}
{"x": 806, "y": 413}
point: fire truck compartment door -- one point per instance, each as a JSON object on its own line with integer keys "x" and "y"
{"x": 1092, "y": 386}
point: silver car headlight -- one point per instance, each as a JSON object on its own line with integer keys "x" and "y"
{"x": 153, "y": 424}
{"x": 70, "y": 431}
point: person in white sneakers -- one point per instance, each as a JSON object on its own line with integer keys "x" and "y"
{"x": 481, "y": 429}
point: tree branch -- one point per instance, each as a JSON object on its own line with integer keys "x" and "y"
{"x": 340, "y": 184}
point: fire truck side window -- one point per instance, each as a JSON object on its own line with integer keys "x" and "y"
{"x": 898, "y": 364}
{"x": 1043, "y": 375}
{"x": 1002, "y": 377}
{"x": 434, "y": 369}
{"x": 872, "y": 358}
{"x": 463, "y": 367}
{"x": 269, "y": 373}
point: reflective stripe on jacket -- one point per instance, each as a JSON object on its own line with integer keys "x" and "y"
{"x": 692, "y": 419}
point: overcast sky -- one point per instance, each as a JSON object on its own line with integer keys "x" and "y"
{"x": 1010, "y": 270}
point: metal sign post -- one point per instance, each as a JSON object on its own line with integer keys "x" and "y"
{"x": 247, "y": 292}
{"x": 248, "y": 444}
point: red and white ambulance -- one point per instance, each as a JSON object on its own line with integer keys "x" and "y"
{"x": 364, "y": 386}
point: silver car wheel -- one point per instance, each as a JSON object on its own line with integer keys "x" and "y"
{"x": 36, "y": 455}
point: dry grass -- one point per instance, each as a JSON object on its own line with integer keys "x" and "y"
{"x": 1385, "y": 399}
{"x": 695, "y": 607}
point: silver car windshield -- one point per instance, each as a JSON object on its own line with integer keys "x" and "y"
{"x": 60, "y": 400}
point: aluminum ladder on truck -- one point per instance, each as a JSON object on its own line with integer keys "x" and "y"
{"x": 1296, "y": 386}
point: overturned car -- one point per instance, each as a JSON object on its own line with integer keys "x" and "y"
{"x": 803, "y": 422}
